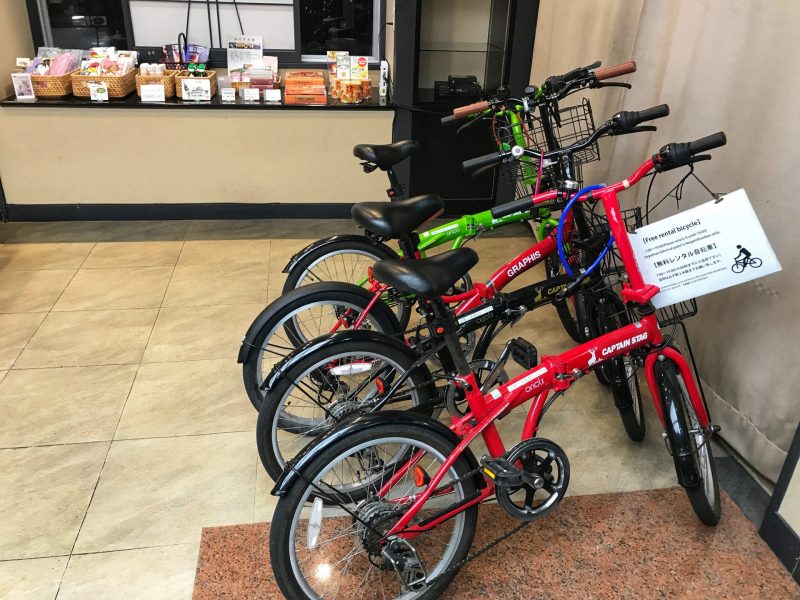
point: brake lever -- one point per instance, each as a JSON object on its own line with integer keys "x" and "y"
{"x": 601, "y": 84}
{"x": 637, "y": 129}
{"x": 685, "y": 163}
{"x": 485, "y": 169}
{"x": 468, "y": 124}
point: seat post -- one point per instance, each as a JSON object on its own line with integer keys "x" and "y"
{"x": 396, "y": 190}
{"x": 450, "y": 326}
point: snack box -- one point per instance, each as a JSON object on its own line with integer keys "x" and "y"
{"x": 304, "y": 78}
{"x": 305, "y": 90}
{"x": 306, "y": 99}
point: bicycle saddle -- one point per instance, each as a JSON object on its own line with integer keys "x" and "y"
{"x": 397, "y": 219}
{"x": 428, "y": 277}
{"x": 386, "y": 155}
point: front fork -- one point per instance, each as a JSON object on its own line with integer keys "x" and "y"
{"x": 687, "y": 375}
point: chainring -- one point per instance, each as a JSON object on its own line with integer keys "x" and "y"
{"x": 548, "y": 465}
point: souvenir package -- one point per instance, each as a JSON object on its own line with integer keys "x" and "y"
{"x": 305, "y": 87}
{"x": 359, "y": 68}
{"x": 107, "y": 61}
{"x": 54, "y": 63}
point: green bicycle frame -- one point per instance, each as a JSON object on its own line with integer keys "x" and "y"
{"x": 457, "y": 231}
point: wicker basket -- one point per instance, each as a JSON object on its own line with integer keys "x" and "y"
{"x": 118, "y": 86}
{"x": 168, "y": 79}
{"x": 181, "y": 75}
{"x": 52, "y": 86}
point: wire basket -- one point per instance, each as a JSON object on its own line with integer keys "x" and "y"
{"x": 576, "y": 124}
{"x": 614, "y": 271}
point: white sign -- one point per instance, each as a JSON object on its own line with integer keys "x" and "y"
{"x": 228, "y": 94}
{"x": 244, "y": 52}
{"x": 708, "y": 248}
{"x": 272, "y": 95}
{"x": 23, "y": 86}
{"x": 196, "y": 88}
{"x": 153, "y": 92}
{"x": 251, "y": 94}
{"x": 98, "y": 91}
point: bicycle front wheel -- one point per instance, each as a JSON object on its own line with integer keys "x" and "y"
{"x": 691, "y": 450}
{"x": 338, "y": 550}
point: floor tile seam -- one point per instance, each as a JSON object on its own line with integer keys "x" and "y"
{"x": 110, "y": 445}
{"x": 47, "y": 314}
{"x": 179, "y": 435}
{"x": 132, "y": 548}
{"x": 42, "y": 557}
{"x": 75, "y": 366}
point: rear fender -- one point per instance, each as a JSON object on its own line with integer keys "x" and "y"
{"x": 248, "y": 342}
{"x": 353, "y": 335}
{"x": 299, "y": 257}
{"x": 300, "y": 463}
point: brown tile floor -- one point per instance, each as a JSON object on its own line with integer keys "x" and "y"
{"x": 645, "y": 544}
{"x": 125, "y": 427}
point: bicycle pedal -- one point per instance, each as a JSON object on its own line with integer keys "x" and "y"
{"x": 501, "y": 471}
{"x": 524, "y": 353}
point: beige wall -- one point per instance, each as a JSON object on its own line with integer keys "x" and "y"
{"x": 91, "y": 156}
{"x": 15, "y": 40}
{"x": 721, "y": 65}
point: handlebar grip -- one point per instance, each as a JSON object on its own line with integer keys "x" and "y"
{"x": 449, "y": 119}
{"x": 650, "y": 114}
{"x": 510, "y": 208}
{"x": 628, "y": 119}
{"x": 473, "y": 164}
{"x": 470, "y": 109}
{"x": 615, "y": 71}
{"x": 715, "y": 140}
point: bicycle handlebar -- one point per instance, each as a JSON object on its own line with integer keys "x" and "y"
{"x": 449, "y": 119}
{"x": 663, "y": 161}
{"x": 615, "y": 71}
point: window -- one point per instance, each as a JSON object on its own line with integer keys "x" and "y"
{"x": 293, "y": 30}
{"x": 349, "y": 25}
{"x": 82, "y": 23}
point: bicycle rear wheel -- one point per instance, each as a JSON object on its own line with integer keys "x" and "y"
{"x": 337, "y": 550}
{"x": 302, "y": 315}
{"x": 691, "y": 450}
{"x": 330, "y": 385}
{"x": 345, "y": 261}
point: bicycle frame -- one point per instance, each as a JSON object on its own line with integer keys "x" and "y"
{"x": 554, "y": 374}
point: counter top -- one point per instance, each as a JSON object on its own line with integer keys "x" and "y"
{"x": 133, "y": 101}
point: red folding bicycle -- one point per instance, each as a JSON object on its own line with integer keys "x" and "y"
{"x": 386, "y": 504}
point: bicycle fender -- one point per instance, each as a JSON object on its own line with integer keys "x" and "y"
{"x": 299, "y": 256}
{"x": 299, "y": 463}
{"x": 351, "y": 335}
{"x": 248, "y": 341}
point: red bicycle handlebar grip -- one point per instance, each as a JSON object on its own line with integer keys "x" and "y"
{"x": 615, "y": 71}
{"x": 470, "y": 109}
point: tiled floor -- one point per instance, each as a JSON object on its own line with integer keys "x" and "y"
{"x": 125, "y": 428}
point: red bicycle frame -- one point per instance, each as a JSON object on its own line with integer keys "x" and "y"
{"x": 555, "y": 373}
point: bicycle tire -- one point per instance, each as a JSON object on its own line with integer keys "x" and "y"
{"x": 621, "y": 371}
{"x": 692, "y": 462}
{"x": 332, "y": 293}
{"x": 565, "y": 308}
{"x": 272, "y": 418}
{"x": 738, "y": 267}
{"x": 298, "y": 274}
{"x": 756, "y": 262}
{"x": 288, "y": 511}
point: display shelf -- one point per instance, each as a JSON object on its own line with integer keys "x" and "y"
{"x": 133, "y": 101}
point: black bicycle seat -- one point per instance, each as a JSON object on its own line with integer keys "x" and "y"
{"x": 428, "y": 277}
{"x": 397, "y": 219}
{"x": 386, "y": 155}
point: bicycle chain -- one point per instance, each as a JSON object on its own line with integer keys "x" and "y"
{"x": 486, "y": 547}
